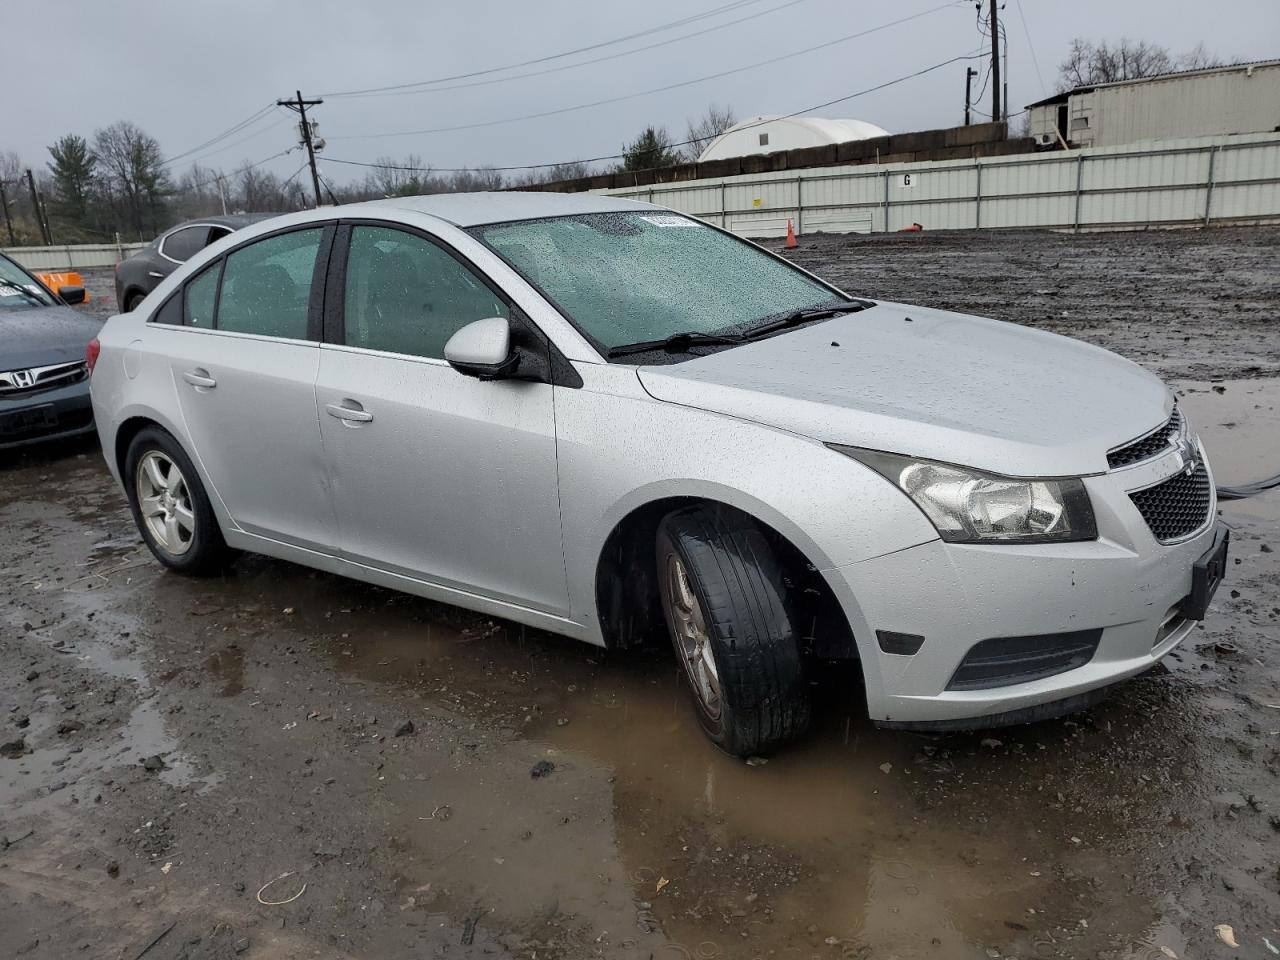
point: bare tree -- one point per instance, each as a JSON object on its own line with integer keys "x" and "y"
{"x": 706, "y": 128}
{"x": 399, "y": 178}
{"x": 1089, "y": 62}
{"x": 133, "y": 168}
{"x": 575, "y": 170}
{"x": 481, "y": 178}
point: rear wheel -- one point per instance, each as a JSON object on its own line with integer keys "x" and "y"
{"x": 132, "y": 300}
{"x": 170, "y": 506}
{"x": 732, "y": 625}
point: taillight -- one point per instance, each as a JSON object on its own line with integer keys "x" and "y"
{"x": 91, "y": 354}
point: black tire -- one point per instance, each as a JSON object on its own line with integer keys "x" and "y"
{"x": 207, "y": 552}
{"x": 735, "y": 576}
{"x": 132, "y": 300}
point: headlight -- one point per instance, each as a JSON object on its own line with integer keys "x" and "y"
{"x": 968, "y": 506}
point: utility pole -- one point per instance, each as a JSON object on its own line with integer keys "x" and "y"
{"x": 44, "y": 216}
{"x": 8, "y": 221}
{"x": 35, "y": 208}
{"x": 301, "y": 106}
{"x": 995, "y": 61}
{"x": 969, "y": 74}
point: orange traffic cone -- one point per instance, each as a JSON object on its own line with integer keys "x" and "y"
{"x": 791, "y": 236}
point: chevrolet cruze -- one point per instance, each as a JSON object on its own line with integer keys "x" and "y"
{"x": 609, "y": 420}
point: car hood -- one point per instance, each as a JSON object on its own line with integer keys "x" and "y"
{"x": 35, "y": 336}
{"x": 932, "y": 384}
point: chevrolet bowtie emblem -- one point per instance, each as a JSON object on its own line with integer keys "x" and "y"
{"x": 1187, "y": 452}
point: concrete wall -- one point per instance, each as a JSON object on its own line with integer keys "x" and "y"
{"x": 1176, "y": 183}
{"x": 72, "y": 256}
{"x": 978, "y": 140}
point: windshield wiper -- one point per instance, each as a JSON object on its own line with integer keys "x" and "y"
{"x": 5, "y": 281}
{"x": 677, "y": 342}
{"x": 796, "y": 317}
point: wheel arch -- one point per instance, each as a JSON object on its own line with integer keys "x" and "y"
{"x": 626, "y": 587}
{"x": 136, "y": 419}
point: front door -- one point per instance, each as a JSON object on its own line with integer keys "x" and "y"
{"x": 436, "y": 475}
{"x": 244, "y": 365}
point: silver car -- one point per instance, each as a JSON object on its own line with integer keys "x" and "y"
{"x": 612, "y": 421}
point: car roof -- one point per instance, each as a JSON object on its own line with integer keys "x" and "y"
{"x": 233, "y": 220}
{"x": 474, "y": 209}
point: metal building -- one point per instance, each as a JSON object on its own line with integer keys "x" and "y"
{"x": 771, "y": 134}
{"x": 1242, "y": 98}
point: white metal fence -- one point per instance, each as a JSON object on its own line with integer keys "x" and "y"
{"x": 72, "y": 256}
{"x": 1233, "y": 179}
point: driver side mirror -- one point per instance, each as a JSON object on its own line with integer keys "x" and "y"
{"x": 483, "y": 349}
{"x": 72, "y": 295}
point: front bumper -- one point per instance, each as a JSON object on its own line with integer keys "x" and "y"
{"x": 1124, "y": 584}
{"x": 57, "y": 414}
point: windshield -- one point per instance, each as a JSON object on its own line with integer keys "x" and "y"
{"x": 18, "y": 289}
{"x": 629, "y": 277}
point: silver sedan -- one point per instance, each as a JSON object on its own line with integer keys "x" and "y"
{"x": 613, "y": 421}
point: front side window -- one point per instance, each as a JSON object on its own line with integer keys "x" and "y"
{"x": 407, "y": 295}
{"x": 266, "y": 286}
{"x": 199, "y": 298}
{"x": 629, "y": 277}
{"x": 182, "y": 244}
{"x": 19, "y": 289}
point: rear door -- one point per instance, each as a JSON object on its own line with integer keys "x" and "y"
{"x": 244, "y": 364}
{"x": 436, "y": 475}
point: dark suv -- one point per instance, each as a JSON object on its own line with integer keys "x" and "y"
{"x": 142, "y": 273}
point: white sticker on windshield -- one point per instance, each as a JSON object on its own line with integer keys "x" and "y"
{"x": 666, "y": 220}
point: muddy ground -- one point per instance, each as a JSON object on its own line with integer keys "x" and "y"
{"x": 184, "y": 743}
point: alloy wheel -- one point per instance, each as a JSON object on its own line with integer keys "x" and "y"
{"x": 693, "y": 643}
{"x": 164, "y": 500}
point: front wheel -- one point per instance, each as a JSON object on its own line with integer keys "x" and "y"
{"x": 170, "y": 507}
{"x": 731, "y": 621}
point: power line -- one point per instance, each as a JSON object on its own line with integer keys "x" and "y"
{"x": 643, "y": 93}
{"x": 583, "y": 63}
{"x": 204, "y": 183}
{"x": 724, "y": 8}
{"x": 245, "y": 139}
{"x": 253, "y": 117}
{"x": 1032, "y": 47}
{"x": 682, "y": 143}
{"x": 293, "y": 176}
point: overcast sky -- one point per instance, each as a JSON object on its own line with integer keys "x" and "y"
{"x": 187, "y": 71}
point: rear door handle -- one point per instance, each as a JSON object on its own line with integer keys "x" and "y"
{"x": 199, "y": 377}
{"x": 349, "y": 411}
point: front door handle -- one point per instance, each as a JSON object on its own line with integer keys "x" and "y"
{"x": 199, "y": 377}
{"x": 349, "y": 411}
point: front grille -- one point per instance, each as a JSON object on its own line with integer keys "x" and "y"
{"x": 1002, "y": 661}
{"x": 1177, "y": 507}
{"x": 22, "y": 383}
{"x": 1151, "y": 445}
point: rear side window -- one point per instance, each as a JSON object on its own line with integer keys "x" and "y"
{"x": 170, "y": 312}
{"x": 266, "y": 285}
{"x": 407, "y": 295}
{"x": 197, "y": 310}
{"x": 182, "y": 244}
